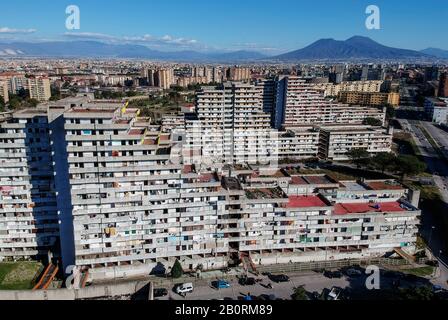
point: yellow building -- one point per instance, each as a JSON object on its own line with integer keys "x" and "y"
{"x": 369, "y": 98}
{"x": 4, "y": 91}
{"x": 39, "y": 88}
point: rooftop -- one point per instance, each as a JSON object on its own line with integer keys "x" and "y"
{"x": 383, "y": 185}
{"x": 265, "y": 193}
{"x": 353, "y": 186}
{"x": 231, "y": 183}
{"x": 136, "y": 131}
{"x": 298, "y": 180}
{"x": 305, "y": 202}
{"x": 319, "y": 179}
{"x": 349, "y": 208}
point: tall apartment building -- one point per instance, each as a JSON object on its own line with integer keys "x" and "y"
{"x": 298, "y": 143}
{"x": 268, "y": 89}
{"x": 164, "y": 78}
{"x": 431, "y": 73}
{"x": 332, "y": 141}
{"x": 436, "y": 109}
{"x": 238, "y": 74}
{"x": 285, "y": 217}
{"x": 217, "y": 76}
{"x": 443, "y": 85}
{"x": 298, "y": 103}
{"x": 28, "y": 211}
{"x": 186, "y": 81}
{"x": 370, "y": 98}
{"x": 333, "y": 90}
{"x": 230, "y": 125}
{"x": 132, "y": 206}
{"x": 39, "y": 88}
{"x": 14, "y": 80}
{"x": 129, "y": 203}
{"x": 4, "y": 91}
{"x": 336, "y": 140}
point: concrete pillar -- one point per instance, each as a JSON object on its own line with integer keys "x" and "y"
{"x": 151, "y": 291}
{"x": 414, "y": 197}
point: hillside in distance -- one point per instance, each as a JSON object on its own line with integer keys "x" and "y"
{"x": 357, "y": 47}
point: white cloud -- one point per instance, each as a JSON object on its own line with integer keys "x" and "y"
{"x": 13, "y": 31}
{"x": 90, "y": 35}
{"x": 147, "y": 39}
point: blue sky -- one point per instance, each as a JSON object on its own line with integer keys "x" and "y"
{"x": 270, "y": 26}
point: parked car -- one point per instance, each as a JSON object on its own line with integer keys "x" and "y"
{"x": 160, "y": 292}
{"x": 220, "y": 284}
{"x": 337, "y": 274}
{"x": 328, "y": 274}
{"x": 334, "y": 293}
{"x": 352, "y": 272}
{"x": 279, "y": 278}
{"x": 246, "y": 281}
{"x": 184, "y": 288}
{"x": 333, "y": 274}
{"x": 270, "y": 297}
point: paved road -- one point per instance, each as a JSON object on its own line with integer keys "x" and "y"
{"x": 312, "y": 281}
{"x": 439, "y": 168}
{"x": 439, "y": 135}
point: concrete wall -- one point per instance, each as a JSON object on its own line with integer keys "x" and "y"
{"x": 141, "y": 270}
{"x": 72, "y": 294}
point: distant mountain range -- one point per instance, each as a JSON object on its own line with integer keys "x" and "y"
{"x": 95, "y": 49}
{"x": 355, "y": 48}
{"x": 439, "y": 53}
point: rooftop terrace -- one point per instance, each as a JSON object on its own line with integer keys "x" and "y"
{"x": 306, "y": 202}
{"x": 265, "y": 193}
{"x": 353, "y": 208}
{"x": 383, "y": 185}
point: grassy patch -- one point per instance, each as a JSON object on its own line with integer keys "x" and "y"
{"x": 18, "y": 275}
{"x": 421, "y": 271}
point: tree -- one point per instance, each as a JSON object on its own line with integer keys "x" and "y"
{"x": 358, "y": 156}
{"x": 55, "y": 94}
{"x": 23, "y": 93}
{"x": 299, "y": 293}
{"x": 176, "y": 270}
{"x": 372, "y": 122}
{"x": 409, "y": 165}
{"x": 417, "y": 293}
{"x": 32, "y": 102}
{"x": 384, "y": 160}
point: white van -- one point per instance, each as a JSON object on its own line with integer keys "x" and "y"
{"x": 184, "y": 288}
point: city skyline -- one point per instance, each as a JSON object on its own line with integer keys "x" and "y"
{"x": 264, "y": 26}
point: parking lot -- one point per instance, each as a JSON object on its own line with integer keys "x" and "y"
{"x": 312, "y": 282}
